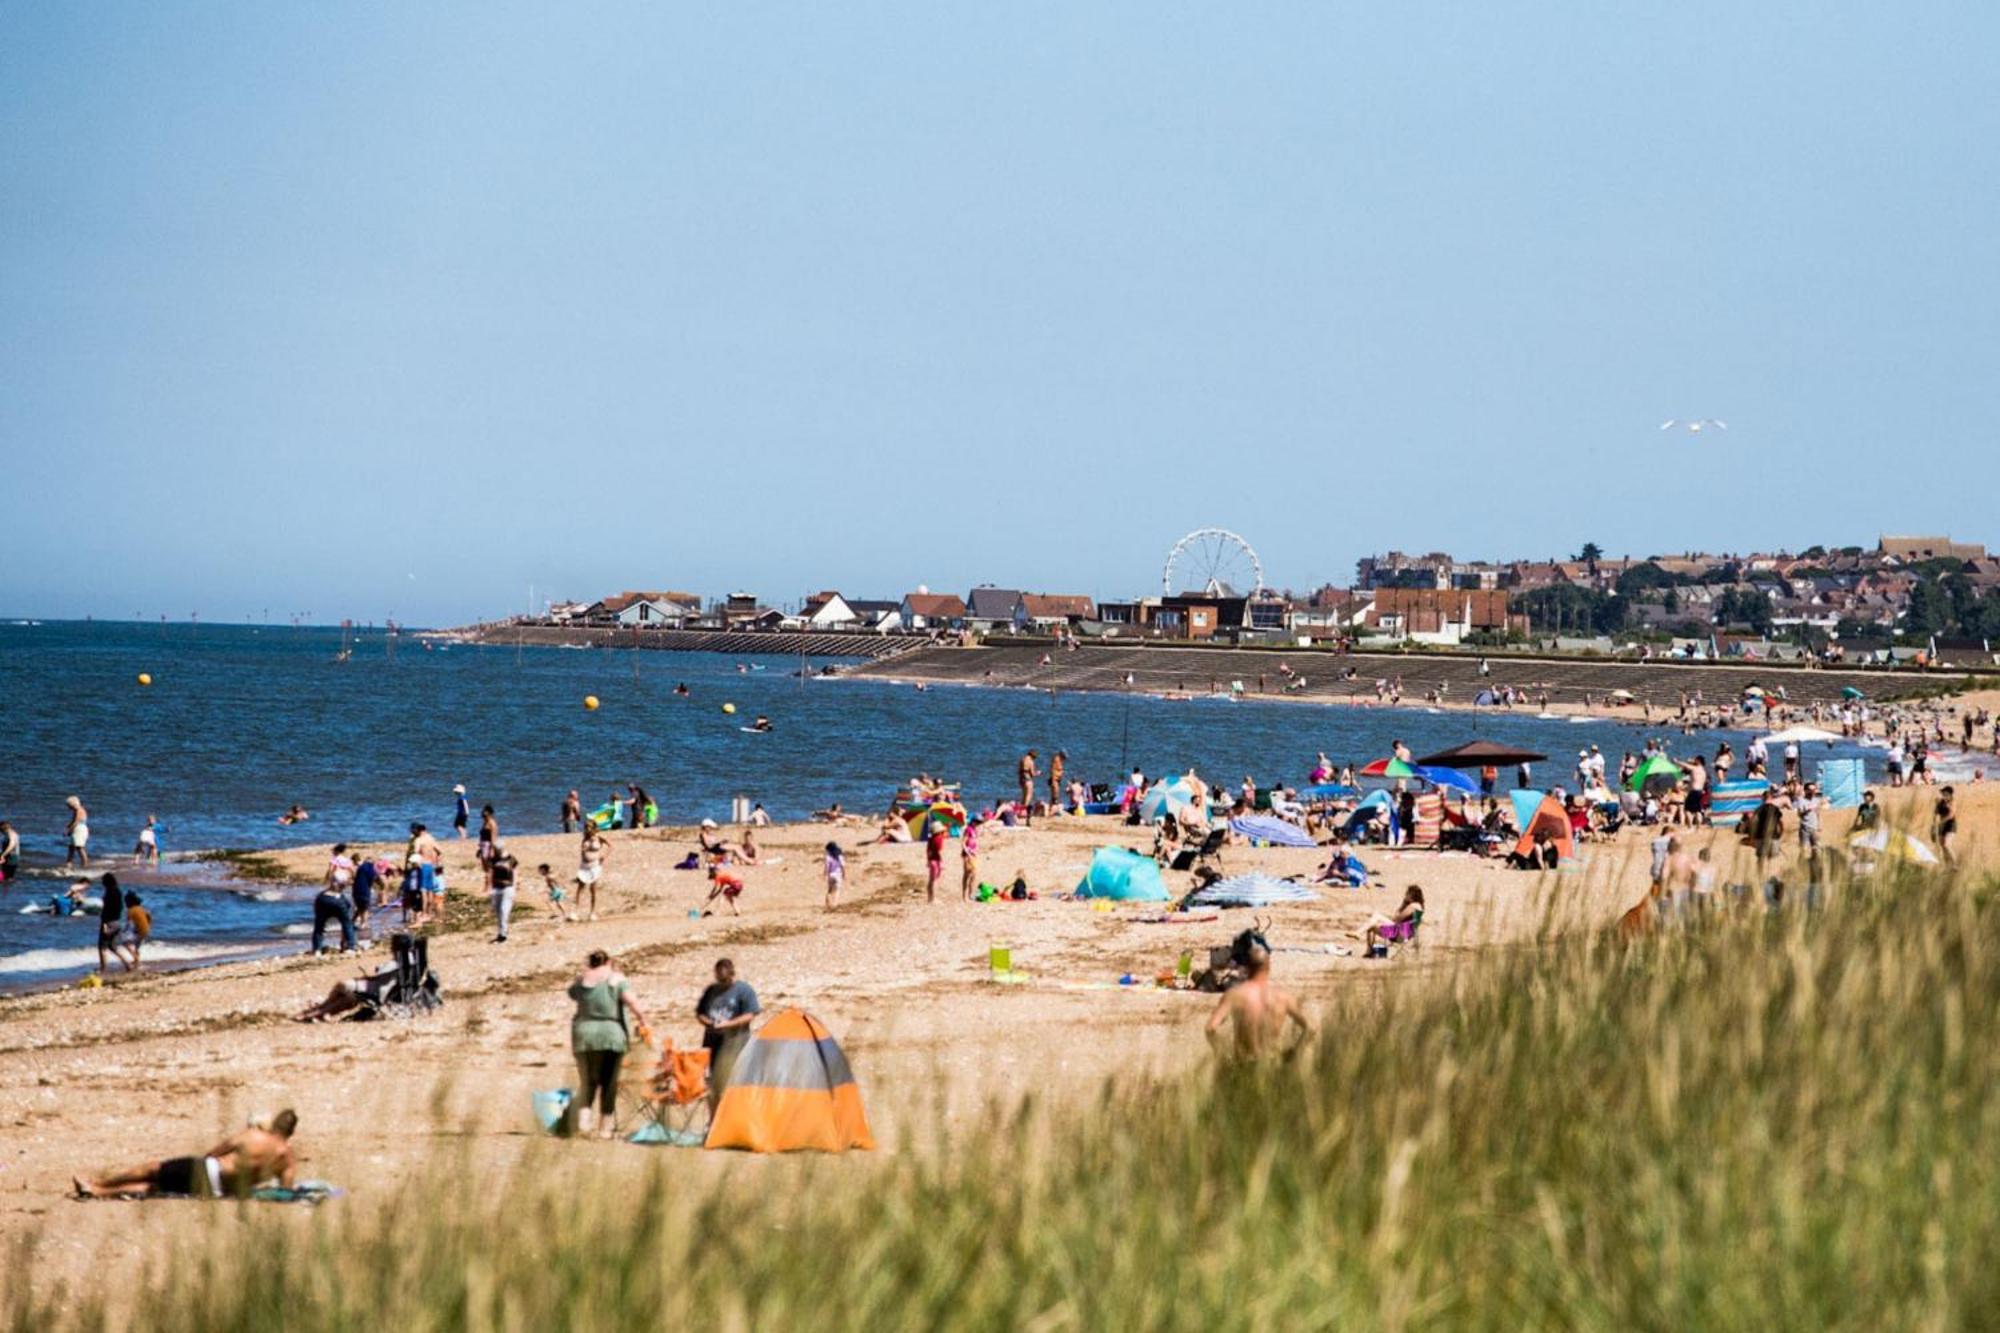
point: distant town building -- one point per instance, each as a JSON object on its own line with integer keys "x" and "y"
{"x": 932, "y": 610}
{"x": 1911, "y": 550}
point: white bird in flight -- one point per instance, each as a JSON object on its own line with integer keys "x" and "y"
{"x": 1693, "y": 427}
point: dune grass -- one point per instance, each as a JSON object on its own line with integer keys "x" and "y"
{"x": 1762, "y": 1121}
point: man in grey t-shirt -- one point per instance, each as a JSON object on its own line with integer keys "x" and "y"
{"x": 725, "y": 1011}
{"x": 1808, "y": 805}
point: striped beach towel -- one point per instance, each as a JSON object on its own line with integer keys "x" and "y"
{"x": 1730, "y": 801}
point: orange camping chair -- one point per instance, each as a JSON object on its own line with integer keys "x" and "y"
{"x": 677, "y": 1092}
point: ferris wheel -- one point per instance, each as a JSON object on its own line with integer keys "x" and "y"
{"x": 1212, "y": 560}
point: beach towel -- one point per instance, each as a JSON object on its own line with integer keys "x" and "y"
{"x": 308, "y": 1192}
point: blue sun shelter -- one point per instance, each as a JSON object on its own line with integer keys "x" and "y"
{"x": 1121, "y": 875}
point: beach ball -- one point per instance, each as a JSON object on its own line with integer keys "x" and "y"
{"x": 145, "y": 678}
{"x": 590, "y": 703}
{"x": 729, "y": 708}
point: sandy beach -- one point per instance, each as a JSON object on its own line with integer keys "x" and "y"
{"x": 159, "y": 1065}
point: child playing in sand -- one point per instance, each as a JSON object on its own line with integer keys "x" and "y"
{"x": 555, "y": 889}
{"x": 726, "y": 885}
{"x": 836, "y": 874}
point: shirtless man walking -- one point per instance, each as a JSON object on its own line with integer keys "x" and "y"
{"x": 231, "y": 1169}
{"x": 1029, "y": 771}
{"x": 1255, "y": 1011}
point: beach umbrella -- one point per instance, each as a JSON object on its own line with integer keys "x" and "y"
{"x": 1754, "y": 691}
{"x": 1799, "y": 736}
{"x": 949, "y": 813}
{"x": 1166, "y": 798}
{"x": 1658, "y": 770}
{"x": 1623, "y": 696}
{"x": 1894, "y": 842}
{"x": 1452, "y": 778}
{"x": 1255, "y": 889}
{"x": 1478, "y": 754}
{"x": 1849, "y": 692}
{"x": 1389, "y": 768}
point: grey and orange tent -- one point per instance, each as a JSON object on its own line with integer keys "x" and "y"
{"x": 791, "y": 1090}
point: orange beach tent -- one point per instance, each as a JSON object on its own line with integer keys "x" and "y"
{"x": 1551, "y": 818}
{"x": 791, "y": 1090}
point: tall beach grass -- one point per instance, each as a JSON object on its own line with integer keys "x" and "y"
{"x": 1763, "y": 1120}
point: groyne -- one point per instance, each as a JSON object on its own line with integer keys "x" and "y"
{"x": 741, "y": 643}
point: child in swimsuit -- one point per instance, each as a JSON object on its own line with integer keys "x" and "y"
{"x": 555, "y": 890}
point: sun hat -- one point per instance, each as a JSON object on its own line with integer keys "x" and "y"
{"x": 708, "y": 823}
{"x": 459, "y": 788}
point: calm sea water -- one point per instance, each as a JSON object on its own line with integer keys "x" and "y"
{"x": 242, "y": 721}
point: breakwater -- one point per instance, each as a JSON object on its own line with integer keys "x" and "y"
{"x": 743, "y": 643}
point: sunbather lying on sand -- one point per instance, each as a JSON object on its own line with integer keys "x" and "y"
{"x": 345, "y": 996}
{"x": 231, "y": 1169}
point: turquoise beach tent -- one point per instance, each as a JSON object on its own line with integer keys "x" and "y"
{"x": 1124, "y": 876}
{"x": 1525, "y": 805}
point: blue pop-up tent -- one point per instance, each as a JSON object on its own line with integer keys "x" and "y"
{"x": 1122, "y": 875}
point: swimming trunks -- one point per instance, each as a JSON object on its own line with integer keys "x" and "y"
{"x": 195, "y": 1177}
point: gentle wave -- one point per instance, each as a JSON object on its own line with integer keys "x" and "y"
{"x": 61, "y": 960}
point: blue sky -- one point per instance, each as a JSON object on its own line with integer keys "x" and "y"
{"x": 395, "y": 310}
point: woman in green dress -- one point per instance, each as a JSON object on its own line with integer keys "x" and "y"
{"x": 598, "y": 1037}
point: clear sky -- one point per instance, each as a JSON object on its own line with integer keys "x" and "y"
{"x": 398, "y": 309}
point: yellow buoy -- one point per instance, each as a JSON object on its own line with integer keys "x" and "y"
{"x": 590, "y": 703}
{"x": 145, "y": 678}
{"x": 729, "y": 708}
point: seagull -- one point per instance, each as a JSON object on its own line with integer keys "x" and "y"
{"x": 1693, "y": 427}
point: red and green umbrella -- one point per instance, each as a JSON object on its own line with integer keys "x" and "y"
{"x": 1390, "y": 768}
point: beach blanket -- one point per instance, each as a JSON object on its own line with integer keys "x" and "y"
{"x": 1266, "y": 828}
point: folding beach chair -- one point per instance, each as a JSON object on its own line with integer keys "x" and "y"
{"x": 673, "y": 1096}
{"x": 1210, "y": 850}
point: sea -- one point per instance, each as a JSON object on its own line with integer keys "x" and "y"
{"x": 369, "y": 731}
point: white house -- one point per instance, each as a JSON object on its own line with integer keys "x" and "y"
{"x": 828, "y": 610}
